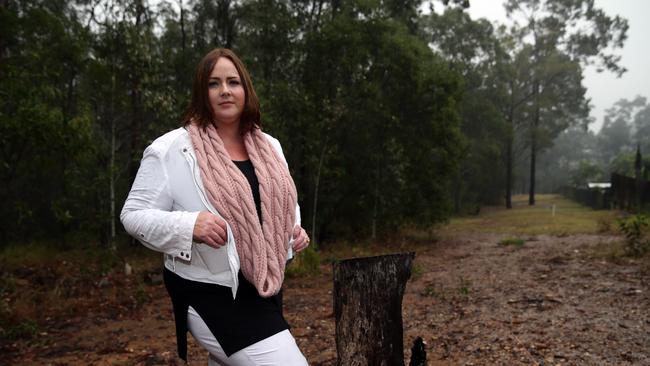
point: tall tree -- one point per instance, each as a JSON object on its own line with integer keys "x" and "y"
{"x": 472, "y": 49}
{"x": 351, "y": 88}
{"x": 125, "y": 91}
{"x": 571, "y": 159}
{"x": 565, "y": 36}
{"x": 642, "y": 127}
{"x": 43, "y": 122}
{"x": 616, "y": 134}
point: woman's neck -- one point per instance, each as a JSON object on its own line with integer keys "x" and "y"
{"x": 229, "y": 132}
{"x": 233, "y": 141}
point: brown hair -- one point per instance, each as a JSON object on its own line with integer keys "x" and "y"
{"x": 200, "y": 110}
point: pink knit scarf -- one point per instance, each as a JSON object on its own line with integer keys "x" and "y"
{"x": 262, "y": 249}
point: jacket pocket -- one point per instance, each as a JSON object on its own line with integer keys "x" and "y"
{"x": 215, "y": 260}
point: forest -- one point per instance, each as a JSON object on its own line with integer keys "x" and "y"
{"x": 391, "y": 113}
{"x": 408, "y": 126}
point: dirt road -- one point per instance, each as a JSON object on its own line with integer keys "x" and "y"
{"x": 549, "y": 301}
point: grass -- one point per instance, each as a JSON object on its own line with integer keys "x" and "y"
{"x": 99, "y": 258}
{"x": 517, "y": 242}
{"x": 551, "y": 215}
{"x": 439, "y": 292}
{"x": 611, "y": 251}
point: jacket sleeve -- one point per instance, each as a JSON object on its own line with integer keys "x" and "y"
{"x": 147, "y": 214}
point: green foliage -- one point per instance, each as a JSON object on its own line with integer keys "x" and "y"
{"x": 349, "y": 88}
{"x": 604, "y": 225}
{"x": 24, "y": 330}
{"x": 464, "y": 286}
{"x": 31, "y": 254}
{"x": 623, "y": 164}
{"x": 555, "y": 56}
{"x": 563, "y": 163}
{"x": 473, "y": 49}
{"x": 585, "y": 172}
{"x": 439, "y": 292}
{"x": 579, "y": 155}
{"x": 305, "y": 263}
{"x": 636, "y": 229}
{"x": 46, "y": 132}
{"x": 432, "y": 290}
{"x": 416, "y": 271}
{"x": 517, "y": 242}
{"x": 388, "y": 117}
{"x": 141, "y": 297}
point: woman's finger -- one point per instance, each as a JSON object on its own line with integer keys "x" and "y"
{"x": 296, "y": 231}
{"x": 220, "y": 233}
{"x": 302, "y": 244}
{"x": 299, "y": 247}
{"x": 210, "y": 242}
{"x": 216, "y": 237}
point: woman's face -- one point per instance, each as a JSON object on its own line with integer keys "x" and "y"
{"x": 226, "y": 92}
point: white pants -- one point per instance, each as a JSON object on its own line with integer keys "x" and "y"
{"x": 278, "y": 349}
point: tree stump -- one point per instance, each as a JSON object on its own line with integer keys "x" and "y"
{"x": 368, "y": 309}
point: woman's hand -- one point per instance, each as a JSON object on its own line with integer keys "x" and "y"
{"x": 210, "y": 230}
{"x": 300, "y": 238}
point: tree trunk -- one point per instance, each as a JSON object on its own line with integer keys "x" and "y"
{"x": 509, "y": 159}
{"x": 456, "y": 194}
{"x": 321, "y": 159}
{"x": 112, "y": 184}
{"x": 111, "y": 163}
{"x": 368, "y": 309}
{"x": 531, "y": 187}
{"x": 533, "y": 146}
{"x": 509, "y": 173}
{"x": 375, "y": 207}
{"x": 183, "y": 41}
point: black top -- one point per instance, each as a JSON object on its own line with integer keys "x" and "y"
{"x": 246, "y": 167}
{"x": 235, "y": 323}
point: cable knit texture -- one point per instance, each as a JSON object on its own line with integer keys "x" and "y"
{"x": 262, "y": 249}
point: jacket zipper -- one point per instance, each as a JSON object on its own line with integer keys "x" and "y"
{"x": 214, "y": 211}
{"x": 206, "y": 203}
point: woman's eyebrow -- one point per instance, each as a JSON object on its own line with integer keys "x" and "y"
{"x": 227, "y": 77}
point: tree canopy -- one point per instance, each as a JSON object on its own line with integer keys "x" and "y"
{"x": 389, "y": 116}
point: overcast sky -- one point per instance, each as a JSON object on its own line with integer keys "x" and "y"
{"x": 604, "y": 89}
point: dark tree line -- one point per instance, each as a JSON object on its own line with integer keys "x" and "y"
{"x": 389, "y": 116}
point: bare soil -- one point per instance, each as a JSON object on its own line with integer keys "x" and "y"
{"x": 473, "y": 301}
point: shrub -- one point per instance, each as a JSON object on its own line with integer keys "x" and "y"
{"x": 637, "y": 234}
{"x": 306, "y": 262}
{"x": 512, "y": 241}
{"x": 416, "y": 271}
{"x": 24, "y": 330}
{"x": 604, "y": 225}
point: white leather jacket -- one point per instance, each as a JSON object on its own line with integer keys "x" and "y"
{"x": 162, "y": 207}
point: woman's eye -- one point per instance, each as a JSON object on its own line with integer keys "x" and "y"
{"x": 234, "y": 82}
{"x": 213, "y": 84}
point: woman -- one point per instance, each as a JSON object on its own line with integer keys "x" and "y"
{"x": 216, "y": 197}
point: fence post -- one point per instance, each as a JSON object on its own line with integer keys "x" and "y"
{"x": 368, "y": 309}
